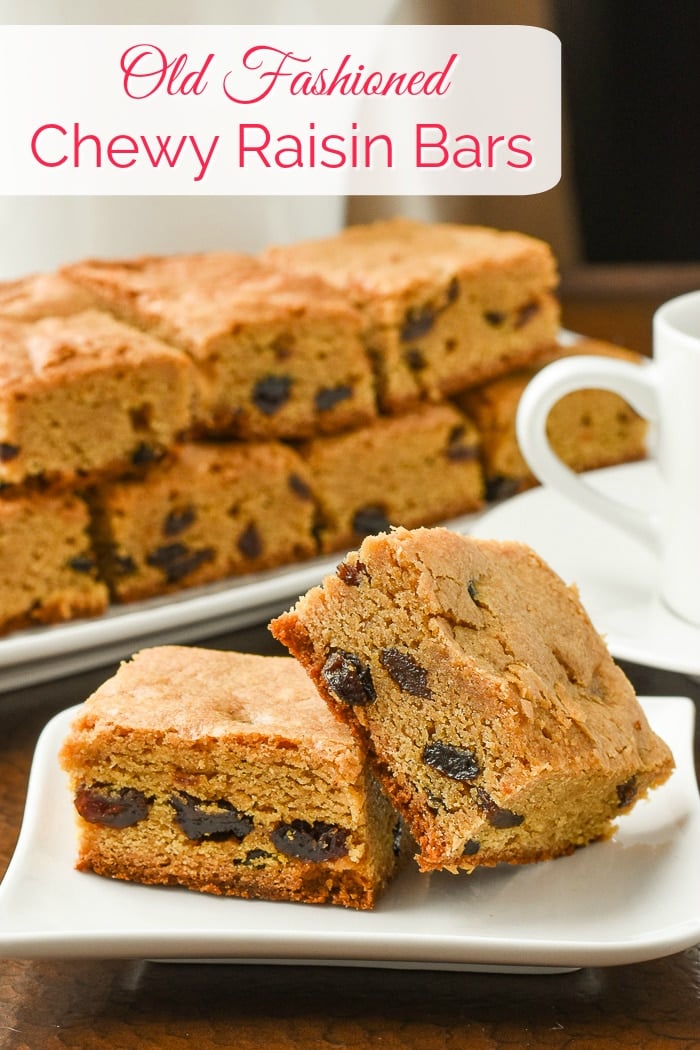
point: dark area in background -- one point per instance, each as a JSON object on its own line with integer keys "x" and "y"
{"x": 631, "y": 77}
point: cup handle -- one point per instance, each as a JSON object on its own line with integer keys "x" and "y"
{"x": 635, "y": 383}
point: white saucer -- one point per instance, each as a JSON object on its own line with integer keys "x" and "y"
{"x": 616, "y": 575}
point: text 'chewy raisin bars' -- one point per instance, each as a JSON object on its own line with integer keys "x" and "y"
{"x": 226, "y": 773}
{"x": 498, "y": 722}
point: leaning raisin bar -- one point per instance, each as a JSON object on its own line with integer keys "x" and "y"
{"x": 225, "y": 772}
{"x": 499, "y": 724}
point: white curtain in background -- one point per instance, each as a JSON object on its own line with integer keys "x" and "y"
{"x": 40, "y": 233}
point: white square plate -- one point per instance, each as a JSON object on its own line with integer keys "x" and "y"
{"x": 632, "y": 898}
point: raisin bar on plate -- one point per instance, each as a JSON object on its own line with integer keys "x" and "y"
{"x": 445, "y": 306}
{"x": 276, "y": 354}
{"x": 498, "y": 722}
{"x": 226, "y": 773}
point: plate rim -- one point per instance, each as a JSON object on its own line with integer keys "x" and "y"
{"x": 311, "y": 947}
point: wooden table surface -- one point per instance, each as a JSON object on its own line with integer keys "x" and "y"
{"x": 129, "y": 1004}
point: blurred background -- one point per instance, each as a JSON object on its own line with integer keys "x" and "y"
{"x": 624, "y": 219}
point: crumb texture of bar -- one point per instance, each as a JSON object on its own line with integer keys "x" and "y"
{"x": 277, "y": 354}
{"x": 84, "y": 394}
{"x": 408, "y": 470}
{"x": 445, "y": 305}
{"x": 587, "y": 429}
{"x": 498, "y": 722}
{"x": 207, "y": 512}
{"x": 48, "y": 570}
{"x": 226, "y": 773}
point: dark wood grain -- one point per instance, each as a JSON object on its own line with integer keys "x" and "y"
{"x": 110, "y": 1004}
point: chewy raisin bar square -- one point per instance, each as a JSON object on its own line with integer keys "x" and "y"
{"x": 498, "y": 722}
{"x": 226, "y": 773}
{"x": 414, "y": 469}
{"x": 47, "y": 565}
{"x": 83, "y": 394}
{"x": 277, "y": 354}
{"x": 445, "y": 306}
{"x": 207, "y": 512}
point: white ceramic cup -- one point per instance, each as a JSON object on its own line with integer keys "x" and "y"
{"x": 666, "y": 391}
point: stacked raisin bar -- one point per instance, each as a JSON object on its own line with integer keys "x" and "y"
{"x": 212, "y": 414}
{"x": 226, "y": 773}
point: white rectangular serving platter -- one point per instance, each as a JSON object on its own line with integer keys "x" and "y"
{"x": 629, "y": 899}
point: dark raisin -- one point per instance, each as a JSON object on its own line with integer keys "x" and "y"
{"x": 270, "y": 393}
{"x": 369, "y": 520}
{"x": 349, "y": 679}
{"x": 82, "y": 563}
{"x": 496, "y": 816}
{"x": 473, "y": 592}
{"x": 8, "y": 452}
{"x": 299, "y": 487}
{"x": 415, "y": 360}
{"x": 179, "y": 519}
{"x": 494, "y": 317}
{"x": 316, "y": 842}
{"x": 471, "y": 846}
{"x": 417, "y": 322}
{"x": 252, "y": 856}
{"x": 176, "y": 560}
{"x": 329, "y": 396}
{"x": 526, "y": 313}
{"x": 141, "y": 417}
{"x": 406, "y": 672}
{"x": 145, "y": 453}
{"x": 458, "y": 763}
{"x": 452, "y": 291}
{"x": 114, "y": 809}
{"x": 627, "y": 792}
{"x": 250, "y": 542}
{"x": 217, "y": 821}
{"x": 501, "y": 488}
{"x": 457, "y": 450}
{"x": 352, "y": 573}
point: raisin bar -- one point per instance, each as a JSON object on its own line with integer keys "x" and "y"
{"x": 415, "y": 469}
{"x": 207, "y": 512}
{"x": 587, "y": 429}
{"x": 47, "y": 566}
{"x": 84, "y": 394}
{"x": 277, "y": 355}
{"x": 42, "y": 295}
{"x": 499, "y": 724}
{"x": 445, "y": 306}
{"x": 225, "y": 773}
